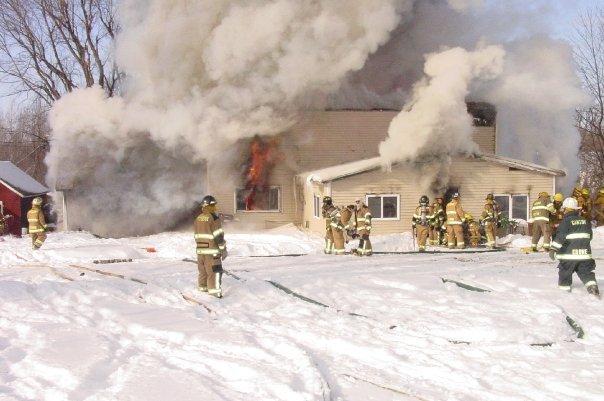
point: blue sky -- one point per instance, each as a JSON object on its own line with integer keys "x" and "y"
{"x": 561, "y": 19}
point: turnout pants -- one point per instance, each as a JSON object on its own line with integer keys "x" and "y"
{"x": 422, "y": 236}
{"x": 210, "y": 273}
{"x": 338, "y": 242}
{"x": 329, "y": 245}
{"x": 541, "y": 228}
{"x": 455, "y": 236}
{"x": 489, "y": 230}
{"x": 433, "y": 235}
{"x": 37, "y": 239}
{"x": 585, "y": 271}
{"x": 364, "y": 248}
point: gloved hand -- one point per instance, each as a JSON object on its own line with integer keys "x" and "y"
{"x": 552, "y": 254}
{"x": 224, "y": 254}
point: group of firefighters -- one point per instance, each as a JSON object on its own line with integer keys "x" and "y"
{"x": 568, "y": 221}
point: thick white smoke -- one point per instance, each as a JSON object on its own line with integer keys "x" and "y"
{"x": 435, "y": 120}
{"x": 203, "y": 74}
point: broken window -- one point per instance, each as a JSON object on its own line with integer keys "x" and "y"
{"x": 258, "y": 200}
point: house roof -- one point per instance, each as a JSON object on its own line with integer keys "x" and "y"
{"x": 362, "y": 166}
{"x": 19, "y": 181}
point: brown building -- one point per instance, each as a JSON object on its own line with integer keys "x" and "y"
{"x": 336, "y": 153}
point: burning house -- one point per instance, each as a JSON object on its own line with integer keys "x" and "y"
{"x": 335, "y": 153}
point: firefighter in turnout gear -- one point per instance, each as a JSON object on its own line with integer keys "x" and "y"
{"x": 363, "y": 229}
{"x": 37, "y": 223}
{"x": 599, "y": 208}
{"x": 326, "y": 212}
{"x": 473, "y": 230}
{"x": 421, "y": 222}
{"x": 540, "y": 215}
{"x": 349, "y": 221}
{"x": 556, "y": 217}
{"x": 455, "y": 221}
{"x": 438, "y": 222}
{"x": 490, "y": 219}
{"x": 211, "y": 248}
{"x": 572, "y": 248}
{"x": 496, "y": 209}
{"x": 337, "y": 230}
{"x": 585, "y": 203}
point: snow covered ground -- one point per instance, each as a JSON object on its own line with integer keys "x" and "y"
{"x": 394, "y": 330}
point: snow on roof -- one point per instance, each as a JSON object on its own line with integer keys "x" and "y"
{"x": 362, "y": 166}
{"x": 19, "y": 181}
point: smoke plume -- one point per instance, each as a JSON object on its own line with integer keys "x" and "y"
{"x": 202, "y": 75}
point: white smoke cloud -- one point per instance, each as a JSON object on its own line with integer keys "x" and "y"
{"x": 435, "y": 120}
{"x": 201, "y": 75}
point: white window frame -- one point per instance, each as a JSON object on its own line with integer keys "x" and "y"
{"x": 279, "y": 200}
{"x": 316, "y": 199}
{"x": 382, "y": 196}
{"x": 511, "y": 206}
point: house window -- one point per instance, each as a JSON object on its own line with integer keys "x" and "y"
{"x": 316, "y": 206}
{"x": 260, "y": 200}
{"x": 384, "y": 207}
{"x": 513, "y": 206}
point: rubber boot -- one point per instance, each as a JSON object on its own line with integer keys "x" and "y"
{"x": 594, "y": 290}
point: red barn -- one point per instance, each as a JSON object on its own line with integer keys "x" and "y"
{"x": 17, "y": 190}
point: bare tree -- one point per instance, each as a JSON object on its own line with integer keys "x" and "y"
{"x": 24, "y": 139}
{"x": 589, "y": 56}
{"x": 51, "y": 47}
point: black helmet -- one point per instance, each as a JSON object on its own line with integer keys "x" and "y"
{"x": 208, "y": 200}
{"x": 327, "y": 200}
{"x": 424, "y": 200}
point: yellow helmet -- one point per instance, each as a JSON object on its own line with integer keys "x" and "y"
{"x": 37, "y": 201}
{"x": 468, "y": 216}
{"x": 490, "y": 197}
{"x": 543, "y": 195}
{"x": 585, "y": 192}
{"x": 559, "y": 197}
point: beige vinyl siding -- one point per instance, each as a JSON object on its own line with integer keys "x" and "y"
{"x": 320, "y": 139}
{"x": 475, "y": 179}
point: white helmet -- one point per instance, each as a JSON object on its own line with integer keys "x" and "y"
{"x": 37, "y": 201}
{"x": 570, "y": 203}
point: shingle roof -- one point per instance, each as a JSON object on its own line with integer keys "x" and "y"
{"x": 19, "y": 181}
{"x": 362, "y": 166}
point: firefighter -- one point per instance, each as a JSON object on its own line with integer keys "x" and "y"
{"x": 37, "y": 223}
{"x": 326, "y": 212}
{"x": 211, "y": 248}
{"x": 572, "y": 249}
{"x": 3, "y": 220}
{"x": 363, "y": 228}
{"x": 490, "y": 220}
{"x": 337, "y": 230}
{"x": 599, "y": 208}
{"x": 540, "y": 216}
{"x": 438, "y": 222}
{"x": 473, "y": 231}
{"x": 586, "y": 204}
{"x": 421, "y": 222}
{"x": 496, "y": 209}
{"x": 556, "y": 217}
{"x": 455, "y": 220}
{"x": 348, "y": 219}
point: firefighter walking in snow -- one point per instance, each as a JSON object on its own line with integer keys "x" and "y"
{"x": 421, "y": 222}
{"x": 455, "y": 220}
{"x": 437, "y": 222}
{"x": 326, "y": 212}
{"x": 599, "y": 208}
{"x": 348, "y": 219}
{"x": 540, "y": 215}
{"x": 211, "y": 248}
{"x": 363, "y": 229}
{"x": 572, "y": 248}
{"x": 337, "y": 230}
{"x": 490, "y": 220}
{"x": 37, "y": 223}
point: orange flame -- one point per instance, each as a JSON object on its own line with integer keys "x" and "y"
{"x": 262, "y": 159}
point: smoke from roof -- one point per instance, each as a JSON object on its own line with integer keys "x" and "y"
{"x": 204, "y": 74}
